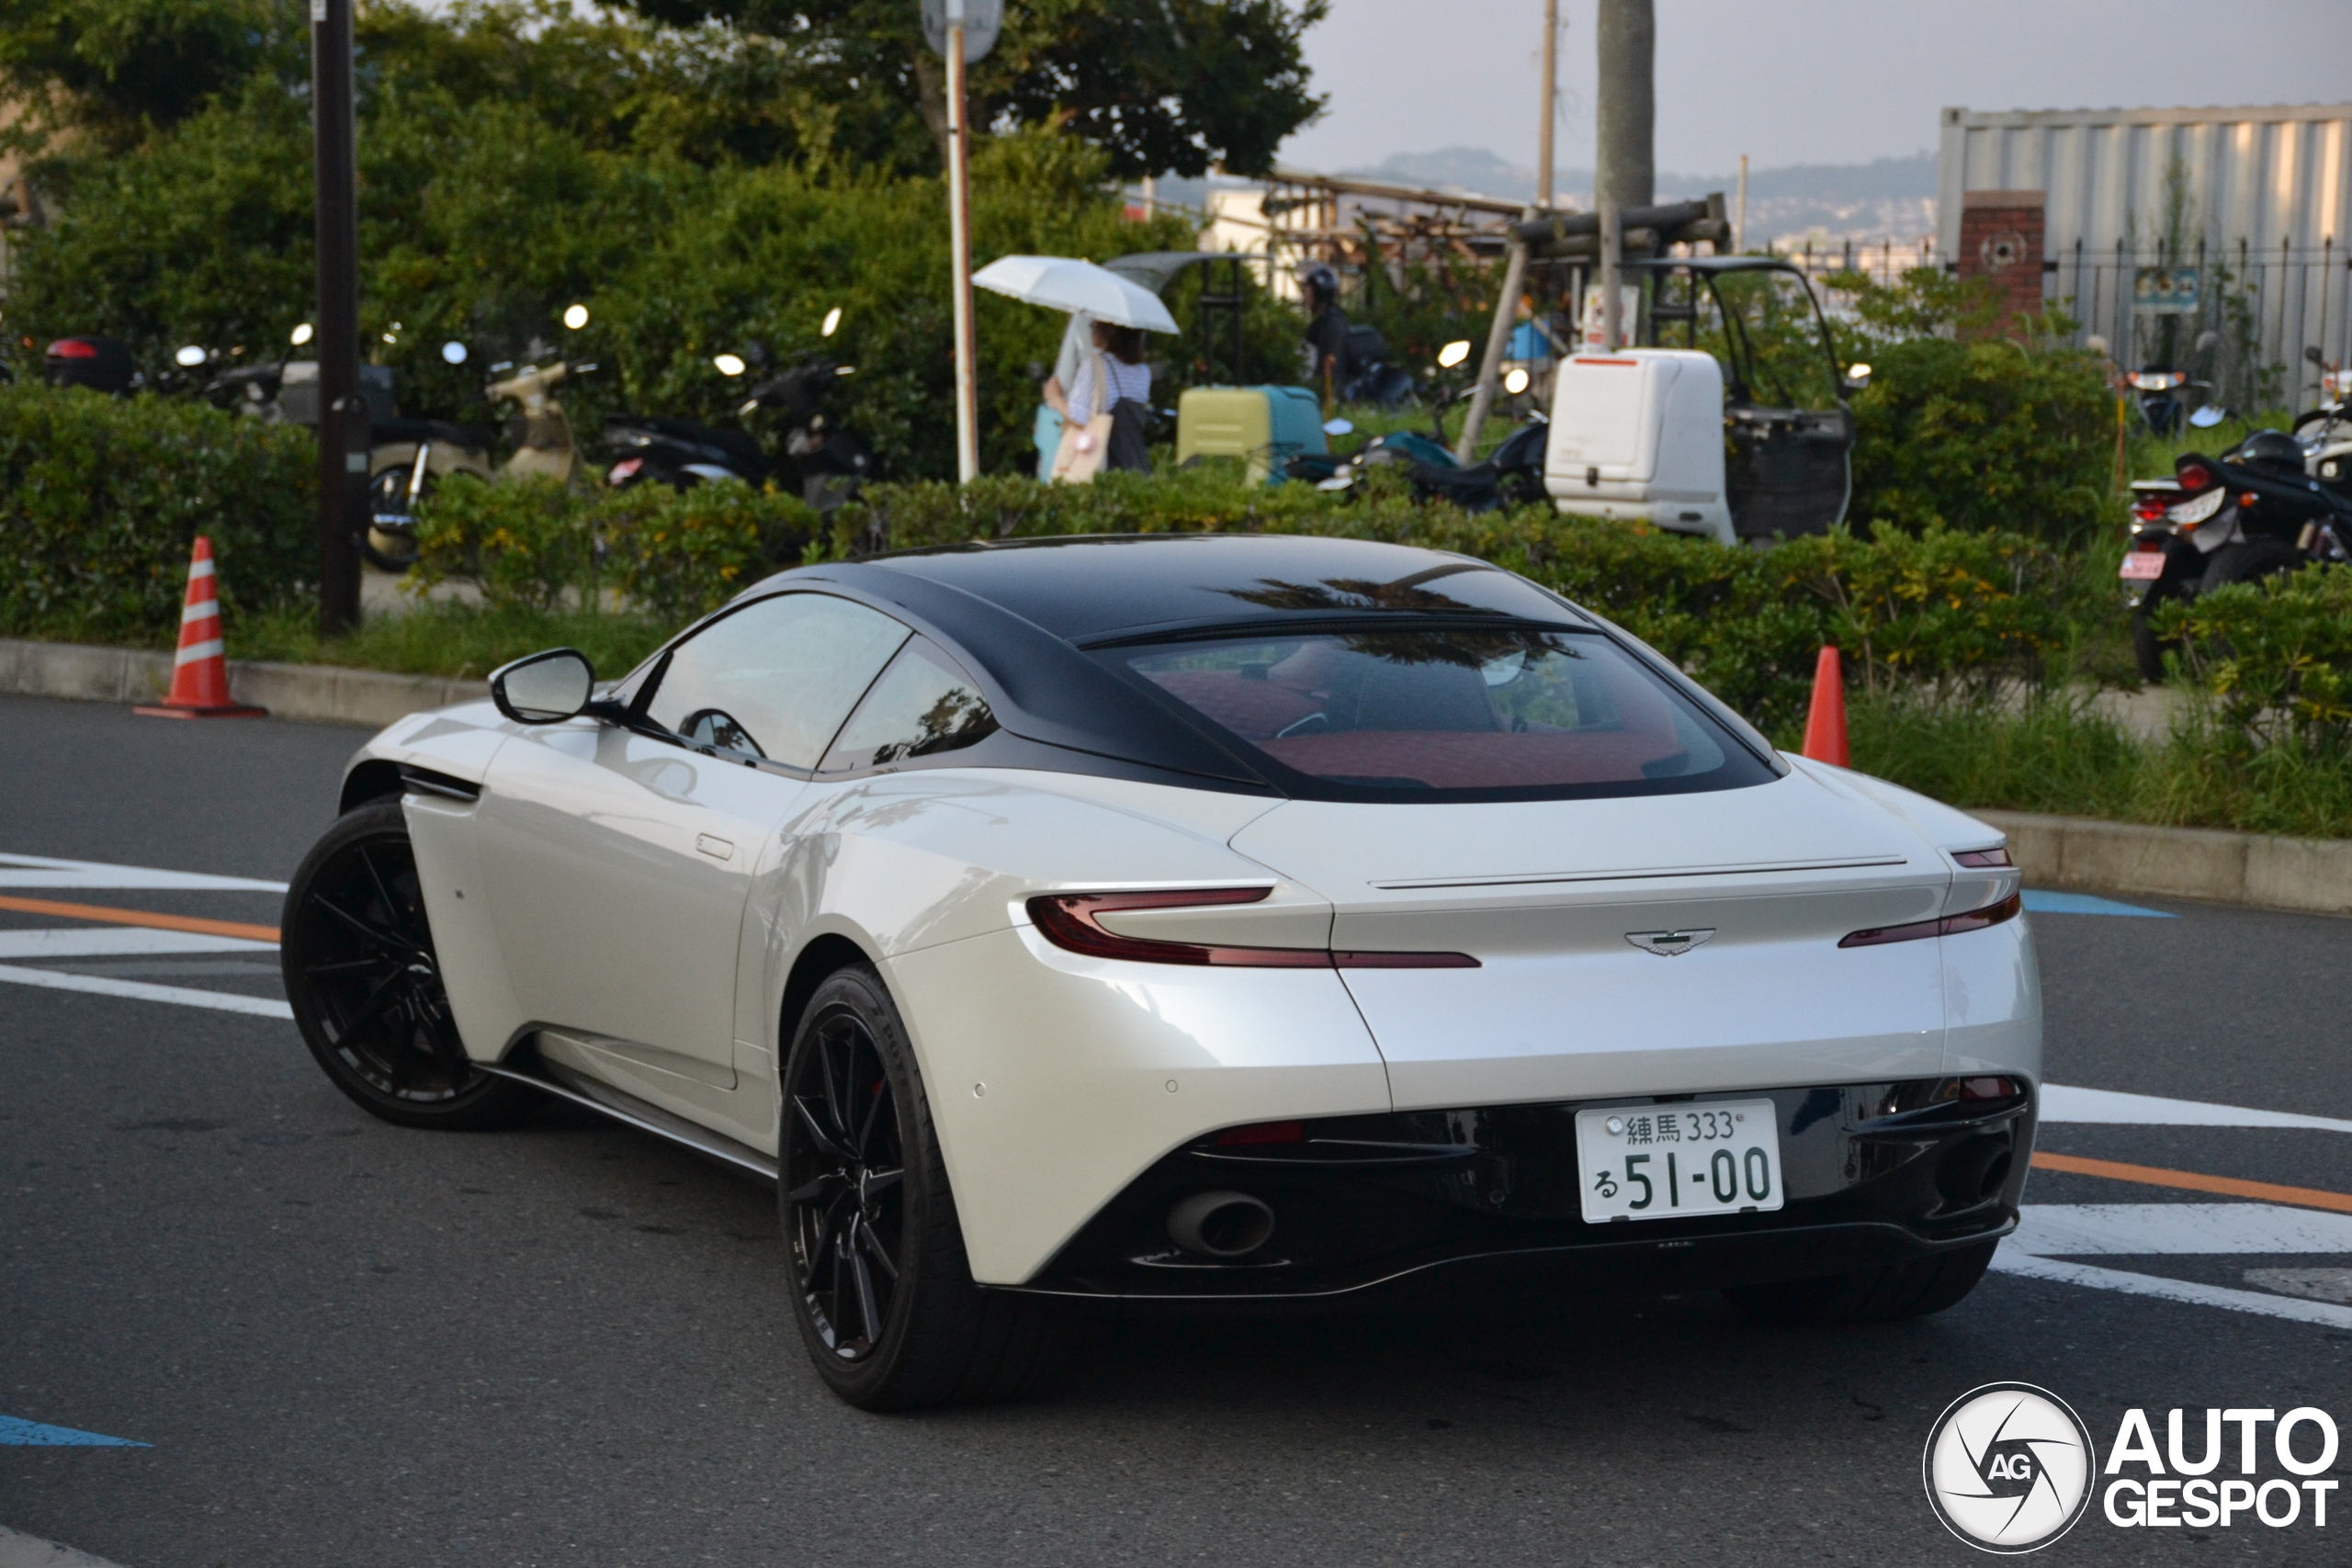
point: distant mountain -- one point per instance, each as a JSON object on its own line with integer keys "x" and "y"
{"x": 1886, "y": 196}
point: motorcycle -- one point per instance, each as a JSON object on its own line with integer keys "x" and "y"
{"x": 1512, "y": 474}
{"x": 2161, "y": 396}
{"x": 101, "y": 364}
{"x": 2252, "y": 513}
{"x": 822, "y": 462}
{"x": 409, "y": 457}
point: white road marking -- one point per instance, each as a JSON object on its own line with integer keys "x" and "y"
{"x": 185, "y": 995}
{"x": 2024, "y": 1265}
{"x": 2114, "y": 1108}
{"x": 2319, "y": 1284}
{"x": 2090, "y": 1230}
{"x": 112, "y": 941}
{"x": 39, "y": 871}
{"x": 20, "y": 1551}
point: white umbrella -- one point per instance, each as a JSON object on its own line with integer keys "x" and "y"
{"x": 1065, "y": 283}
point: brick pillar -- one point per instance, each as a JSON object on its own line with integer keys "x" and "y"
{"x": 2001, "y": 239}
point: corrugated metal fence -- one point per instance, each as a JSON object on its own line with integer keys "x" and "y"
{"x": 2167, "y": 224}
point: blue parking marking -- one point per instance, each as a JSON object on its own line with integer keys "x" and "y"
{"x": 2041, "y": 903}
{"x": 18, "y": 1433}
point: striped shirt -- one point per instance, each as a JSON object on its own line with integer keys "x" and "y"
{"x": 1125, "y": 381}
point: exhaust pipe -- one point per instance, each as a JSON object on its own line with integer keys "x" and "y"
{"x": 1224, "y": 1225}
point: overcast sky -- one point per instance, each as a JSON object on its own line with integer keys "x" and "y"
{"x": 1799, "y": 80}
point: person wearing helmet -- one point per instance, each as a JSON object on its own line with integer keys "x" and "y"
{"x": 1326, "y": 337}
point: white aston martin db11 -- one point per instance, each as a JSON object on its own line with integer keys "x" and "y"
{"x": 1206, "y": 918}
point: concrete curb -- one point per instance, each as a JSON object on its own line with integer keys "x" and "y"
{"x": 317, "y": 693}
{"x": 2305, "y": 876}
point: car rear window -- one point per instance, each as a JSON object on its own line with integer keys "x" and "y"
{"x": 1495, "y": 712}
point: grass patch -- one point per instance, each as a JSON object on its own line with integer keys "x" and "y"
{"x": 2054, "y": 755}
{"x": 457, "y": 640}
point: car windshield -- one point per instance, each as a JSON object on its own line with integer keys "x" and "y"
{"x": 1499, "y": 712}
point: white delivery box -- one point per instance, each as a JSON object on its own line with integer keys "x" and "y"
{"x": 1639, "y": 433}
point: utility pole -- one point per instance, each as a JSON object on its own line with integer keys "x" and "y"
{"x": 1627, "y": 39}
{"x": 1551, "y": 104}
{"x": 959, "y": 223}
{"x": 343, "y": 438}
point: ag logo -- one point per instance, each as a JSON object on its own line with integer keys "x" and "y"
{"x": 1671, "y": 944}
{"x": 2009, "y": 1467}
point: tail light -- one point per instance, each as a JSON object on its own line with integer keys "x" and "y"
{"x": 72, "y": 348}
{"x": 624, "y": 470}
{"x": 1951, "y": 925}
{"x": 2193, "y": 475}
{"x": 1985, "y": 858}
{"x": 1071, "y": 921}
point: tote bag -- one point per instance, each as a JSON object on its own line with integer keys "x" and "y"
{"x": 1083, "y": 446}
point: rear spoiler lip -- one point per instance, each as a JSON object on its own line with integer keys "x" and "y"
{"x": 1653, "y": 874}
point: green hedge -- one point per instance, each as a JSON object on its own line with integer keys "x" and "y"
{"x": 1951, "y": 610}
{"x": 101, "y": 500}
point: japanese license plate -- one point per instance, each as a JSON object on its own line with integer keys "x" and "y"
{"x": 1663, "y": 1162}
{"x": 2142, "y": 566}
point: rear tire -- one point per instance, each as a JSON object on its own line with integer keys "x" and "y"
{"x": 2249, "y": 560}
{"x": 360, "y": 972}
{"x": 2148, "y": 650}
{"x": 881, "y": 1289}
{"x": 1911, "y": 1288}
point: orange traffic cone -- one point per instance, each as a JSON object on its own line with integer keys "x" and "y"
{"x": 1825, "y": 723}
{"x": 200, "y": 671}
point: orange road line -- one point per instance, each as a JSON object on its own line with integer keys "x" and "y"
{"x": 139, "y": 918}
{"x": 2156, "y": 1176}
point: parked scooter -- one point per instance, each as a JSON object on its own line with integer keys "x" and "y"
{"x": 1511, "y": 474}
{"x": 2250, "y": 514}
{"x": 101, "y": 364}
{"x": 823, "y": 463}
{"x": 410, "y": 457}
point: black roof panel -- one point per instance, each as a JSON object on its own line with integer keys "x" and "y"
{"x": 1096, "y": 589}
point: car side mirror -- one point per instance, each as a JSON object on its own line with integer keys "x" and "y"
{"x": 544, "y": 688}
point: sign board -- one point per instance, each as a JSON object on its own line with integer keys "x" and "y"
{"x": 2166, "y": 290}
{"x": 981, "y": 21}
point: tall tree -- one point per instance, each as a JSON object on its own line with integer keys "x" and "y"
{"x": 1627, "y": 41}
{"x": 1160, "y": 85}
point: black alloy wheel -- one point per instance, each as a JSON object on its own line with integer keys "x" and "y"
{"x": 880, "y": 1287}
{"x": 360, "y": 971}
{"x": 844, "y": 1202}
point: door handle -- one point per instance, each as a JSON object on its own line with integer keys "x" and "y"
{"x": 715, "y": 848}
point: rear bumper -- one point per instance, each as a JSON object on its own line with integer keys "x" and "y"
{"x": 1495, "y": 1192}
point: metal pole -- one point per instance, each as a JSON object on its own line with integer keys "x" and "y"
{"x": 1498, "y": 342}
{"x": 959, "y": 226}
{"x": 343, "y": 418}
{"x": 1551, "y": 104}
{"x": 1739, "y": 219}
{"x": 1612, "y": 241}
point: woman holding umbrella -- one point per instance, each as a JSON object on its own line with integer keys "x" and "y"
{"x": 1109, "y": 402}
{"x": 1107, "y": 392}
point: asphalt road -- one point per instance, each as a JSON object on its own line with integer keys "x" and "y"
{"x": 344, "y": 1343}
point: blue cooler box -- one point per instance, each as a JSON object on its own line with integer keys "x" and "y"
{"x": 1298, "y": 424}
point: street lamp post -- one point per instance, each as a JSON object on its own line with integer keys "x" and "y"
{"x": 961, "y": 32}
{"x": 343, "y": 416}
